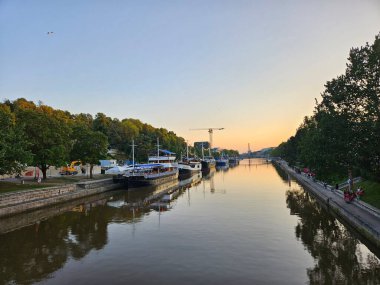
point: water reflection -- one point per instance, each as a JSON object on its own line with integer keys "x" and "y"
{"x": 34, "y": 252}
{"x": 283, "y": 174}
{"x": 239, "y": 238}
{"x": 339, "y": 256}
{"x": 45, "y": 242}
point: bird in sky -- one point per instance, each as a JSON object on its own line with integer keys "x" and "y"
{"x": 50, "y": 33}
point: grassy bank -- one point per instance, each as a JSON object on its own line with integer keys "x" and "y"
{"x": 16, "y": 185}
{"x": 6, "y": 186}
{"x": 372, "y": 192}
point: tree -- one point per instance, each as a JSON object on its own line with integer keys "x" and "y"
{"x": 13, "y": 147}
{"x": 89, "y": 146}
{"x": 344, "y": 132}
{"x": 48, "y": 137}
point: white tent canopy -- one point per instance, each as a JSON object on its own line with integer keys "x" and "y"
{"x": 117, "y": 169}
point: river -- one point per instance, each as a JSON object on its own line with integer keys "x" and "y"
{"x": 250, "y": 224}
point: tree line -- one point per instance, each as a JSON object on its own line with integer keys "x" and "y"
{"x": 38, "y": 135}
{"x": 342, "y": 137}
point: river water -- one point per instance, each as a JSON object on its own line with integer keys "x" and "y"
{"x": 249, "y": 224}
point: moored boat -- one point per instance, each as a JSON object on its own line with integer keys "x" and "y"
{"x": 188, "y": 166}
{"x": 151, "y": 174}
{"x": 222, "y": 161}
{"x": 208, "y": 162}
{"x": 161, "y": 168}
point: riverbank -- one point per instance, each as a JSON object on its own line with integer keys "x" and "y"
{"x": 28, "y": 183}
{"x": 359, "y": 215}
{"x": 21, "y": 201}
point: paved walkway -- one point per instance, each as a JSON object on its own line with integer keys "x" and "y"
{"x": 357, "y": 213}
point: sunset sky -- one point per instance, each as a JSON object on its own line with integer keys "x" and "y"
{"x": 252, "y": 67}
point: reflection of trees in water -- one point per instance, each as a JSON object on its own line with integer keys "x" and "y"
{"x": 30, "y": 254}
{"x": 282, "y": 173}
{"x": 339, "y": 258}
{"x": 33, "y": 253}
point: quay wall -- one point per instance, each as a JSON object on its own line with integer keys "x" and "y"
{"x": 368, "y": 227}
{"x": 21, "y": 201}
{"x": 14, "y": 222}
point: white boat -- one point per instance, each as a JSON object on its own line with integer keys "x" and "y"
{"x": 187, "y": 167}
{"x": 161, "y": 168}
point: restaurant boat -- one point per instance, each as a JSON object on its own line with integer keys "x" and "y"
{"x": 161, "y": 168}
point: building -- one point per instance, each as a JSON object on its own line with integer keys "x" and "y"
{"x": 199, "y": 144}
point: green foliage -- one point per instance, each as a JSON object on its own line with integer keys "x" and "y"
{"x": 343, "y": 134}
{"x": 48, "y": 135}
{"x": 121, "y": 133}
{"x": 371, "y": 192}
{"x": 43, "y": 136}
{"x": 89, "y": 146}
{"x": 230, "y": 153}
{"x": 13, "y": 145}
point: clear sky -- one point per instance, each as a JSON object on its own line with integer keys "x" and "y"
{"x": 252, "y": 67}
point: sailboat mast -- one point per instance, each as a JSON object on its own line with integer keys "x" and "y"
{"x": 187, "y": 150}
{"x": 133, "y": 153}
{"x": 158, "y": 150}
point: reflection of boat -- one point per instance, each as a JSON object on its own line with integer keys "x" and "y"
{"x": 161, "y": 206}
{"x": 222, "y": 168}
{"x": 191, "y": 181}
{"x": 170, "y": 195}
{"x": 208, "y": 175}
{"x": 116, "y": 204}
{"x": 151, "y": 192}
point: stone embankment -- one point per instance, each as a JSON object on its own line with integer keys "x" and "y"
{"x": 21, "y": 201}
{"x": 359, "y": 215}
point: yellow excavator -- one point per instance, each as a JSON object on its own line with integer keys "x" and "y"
{"x": 71, "y": 168}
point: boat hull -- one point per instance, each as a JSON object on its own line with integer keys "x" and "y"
{"x": 222, "y": 163}
{"x": 207, "y": 164}
{"x": 141, "y": 181}
{"x": 187, "y": 170}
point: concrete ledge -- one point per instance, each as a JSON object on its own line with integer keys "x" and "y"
{"x": 21, "y": 201}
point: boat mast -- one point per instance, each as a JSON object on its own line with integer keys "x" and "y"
{"x": 133, "y": 153}
{"x": 203, "y": 152}
{"x": 158, "y": 150}
{"x": 187, "y": 150}
{"x": 158, "y": 153}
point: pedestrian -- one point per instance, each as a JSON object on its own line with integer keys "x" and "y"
{"x": 336, "y": 187}
{"x": 349, "y": 181}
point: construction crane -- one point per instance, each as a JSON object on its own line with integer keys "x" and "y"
{"x": 210, "y": 131}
